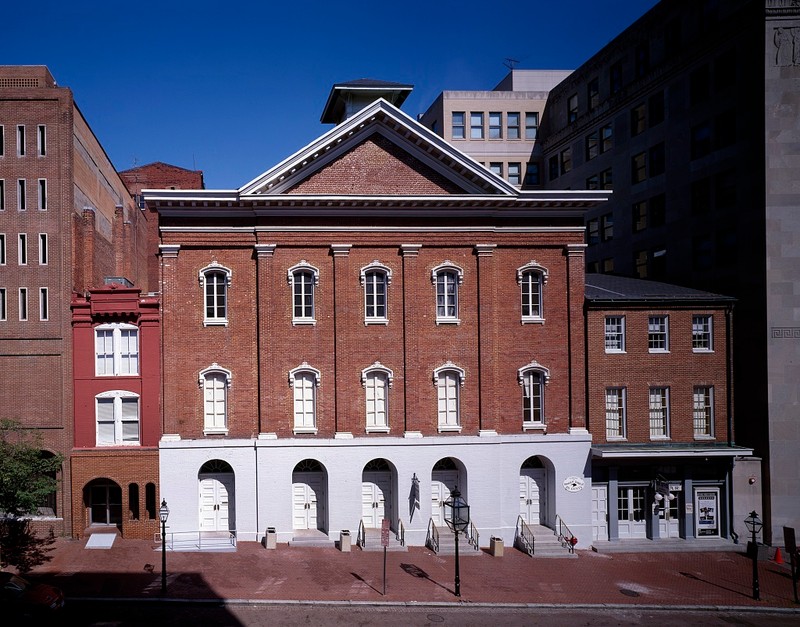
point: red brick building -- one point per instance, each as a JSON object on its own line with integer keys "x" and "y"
{"x": 658, "y": 370}
{"x": 116, "y": 336}
{"x": 368, "y": 324}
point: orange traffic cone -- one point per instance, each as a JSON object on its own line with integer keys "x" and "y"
{"x": 778, "y": 556}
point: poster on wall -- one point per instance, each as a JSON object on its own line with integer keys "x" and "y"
{"x": 706, "y": 507}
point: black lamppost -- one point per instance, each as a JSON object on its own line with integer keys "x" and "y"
{"x": 458, "y": 521}
{"x": 163, "y": 514}
{"x": 754, "y": 525}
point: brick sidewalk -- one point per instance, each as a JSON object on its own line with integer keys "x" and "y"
{"x": 132, "y": 569}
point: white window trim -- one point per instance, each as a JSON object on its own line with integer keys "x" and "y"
{"x": 44, "y": 304}
{"x": 666, "y": 408}
{"x": 623, "y": 414}
{"x": 117, "y": 327}
{"x": 379, "y": 367}
{"x": 712, "y": 408}
{"x": 450, "y": 367}
{"x": 44, "y": 252}
{"x": 41, "y": 140}
{"x": 615, "y": 351}
{"x": 710, "y": 348}
{"x": 305, "y": 368}
{"x": 535, "y": 366}
{"x": 448, "y": 266}
{"x": 22, "y": 249}
{"x": 533, "y": 266}
{"x": 118, "y": 395}
{"x": 201, "y": 277}
{"x": 376, "y": 266}
{"x": 41, "y": 194}
{"x": 666, "y": 335}
{"x": 215, "y": 368}
{"x": 290, "y": 274}
{"x": 22, "y": 195}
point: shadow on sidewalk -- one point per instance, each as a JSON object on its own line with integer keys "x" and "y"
{"x": 416, "y": 571}
{"x": 711, "y": 583}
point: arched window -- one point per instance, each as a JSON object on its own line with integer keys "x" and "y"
{"x": 116, "y": 349}
{"x": 531, "y": 278}
{"x": 448, "y": 380}
{"x": 447, "y": 277}
{"x": 117, "y": 418}
{"x": 376, "y": 279}
{"x": 215, "y": 382}
{"x": 377, "y": 379}
{"x": 304, "y": 381}
{"x": 533, "y": 379}
{"x": 215, "y": 280}
{"x": 303, "y": 279}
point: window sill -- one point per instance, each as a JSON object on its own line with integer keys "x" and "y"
{"x": 112, "y": 444}
{"x": 658, "y": 350}
{"x": 707, "y": 438}
{"x": 532, "y": 320}
{"x": 215, "y": 323}
{"x": 615, "y": 352}
{"x": 616, "y": 439}
{"x": 660, "y": 438}
{"x": 303, "y": 321}
{"x": 380, "y": 321}
{"x": 448, "y": 321}
{"x": 305, "y": 430}
{"x": 702, "y": 350}
{"x": 215, "y": 432}
{"x": 377, "y": 429}
{"x": 534, "y": 427}
{"x": 449, "y": 429}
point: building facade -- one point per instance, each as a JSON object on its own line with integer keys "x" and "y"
{"x": 369, "y": 324}
{"x": 66, "y": 221}
{"x": 658, "y": 373}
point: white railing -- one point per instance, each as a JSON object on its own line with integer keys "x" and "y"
{"x": 197, "y": 540}
{"x": 432, "y": 540}
{"x": 524, "y": 536}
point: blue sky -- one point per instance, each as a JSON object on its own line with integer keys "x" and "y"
{"x": 232, "y": 88}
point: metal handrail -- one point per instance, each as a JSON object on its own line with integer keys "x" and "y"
{"x": 474, "y": 536}
{"x": 195, "y": 539}
{"x": 361, "y": 536}
{"x": 565, "y": 536}
{"x": 400, "y": 534}
{"x": 524, "y": 536}
{"x": 432, "y": 540}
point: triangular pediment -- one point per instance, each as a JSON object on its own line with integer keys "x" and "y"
{"x": 380, "y": 151}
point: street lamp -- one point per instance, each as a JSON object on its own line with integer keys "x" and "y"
{"x": 458, "y": 521}
{"x": 754, "y": 525}
{"x": 163, "y": 514}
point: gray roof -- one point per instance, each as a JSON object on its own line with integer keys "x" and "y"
{"x": 366, "y": 90}
{"x": 608, "y": 287}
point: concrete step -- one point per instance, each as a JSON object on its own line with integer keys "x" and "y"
{"x": 546, "y": 543}
{"x": 311, "y": 538}
{"x": 447, "y": 545}
{"x": 373, "y": 541}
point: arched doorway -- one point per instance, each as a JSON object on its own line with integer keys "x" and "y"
{"x": 103, "y": 499}
{"x": 309, "y": 495}
{"x": 216, "y": 480}
{"x": 533, "y": 491}
{"x": 447, "y": 473}
{"x": 377, "y": 494}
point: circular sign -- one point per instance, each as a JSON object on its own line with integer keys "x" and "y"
{"x": 573, "y": 484}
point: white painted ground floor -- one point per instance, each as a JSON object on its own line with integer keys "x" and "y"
{"x": 331, "y": 485}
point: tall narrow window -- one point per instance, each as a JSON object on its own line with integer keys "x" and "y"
{"x": 21, "y": 140}
{"x": 495, "y": 125}
{"x": 41, "y": 140}
{"x": 702, "y": 337}
{"x": 215, "y": 382}
{"x": 658, "y": 334}
{"x": 572, "y": 108}
{"x": 3, "y": 304}
{"x": 496, "y": 167}
{"x": 447, "y": 279}
{"x": 512, "y": 124}
{"x": 215, "y": 280}
{"x": 2, "y": 195}
{"x": 615, "y": 413}
{"x": 23, "y": 303}
{"x": 42, "y": 195}
{"x": 376, "y": 381}
{"x": 44, "y": 305}
{"x": 532, "y": 175}
{"x": 116, "y": 349}
{"x": 476, "y": 125}
{"x": 531, "y": 278}
{"x": 593, "y": 93}
{"x": 533, "y": 378}
{"x": 448, "y": 380}
{"x": 22, "y": 195}
{"x": 659, "y": 413}
{"x": 303, "y": 279}
{"x": 376, "y": 279}
{"x": 515, "y": 173}
{"x": 43, "y": 252}
{"x": 458, "y": 127}
{"x": 22, "y": 249}
{"x": 133, "y": 501}
{"x": 615, "y": 334}
{"x": 2, "y": 249}
{"x": 703, "y": 411}
{"x": 304, "y": 381}
{"x": 2, "y": 141}
{"x": 117, "y": 418}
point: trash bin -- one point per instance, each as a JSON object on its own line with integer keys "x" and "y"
{"x": 271, "y": 538}
{"x": 496, "y": 546}
{"x": 344, "y": 541}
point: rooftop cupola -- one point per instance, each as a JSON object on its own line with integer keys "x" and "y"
{"x": 347, "y": 99}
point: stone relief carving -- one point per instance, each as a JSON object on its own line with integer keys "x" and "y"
{"x": 787, "y": 46}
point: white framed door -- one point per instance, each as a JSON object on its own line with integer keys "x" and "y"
{"x": 632, "y": 508}
{"x": 533, "y": 496}
{"x": 216, "y": 503}
{"x": 376, "y": 499}
{"x": 599, "y": 512}
{"x": 669, "y": 519}
{"x": 443, "y": 482}
{"x": 308, "y": 500}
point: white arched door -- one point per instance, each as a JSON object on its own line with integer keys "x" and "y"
{"x": 216, "y": 502}
{"x": 308, "y": 500}
{"x": 533, "y": 496}
{"x": 376, "y": 498}
{"x": 442, "y": 484}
